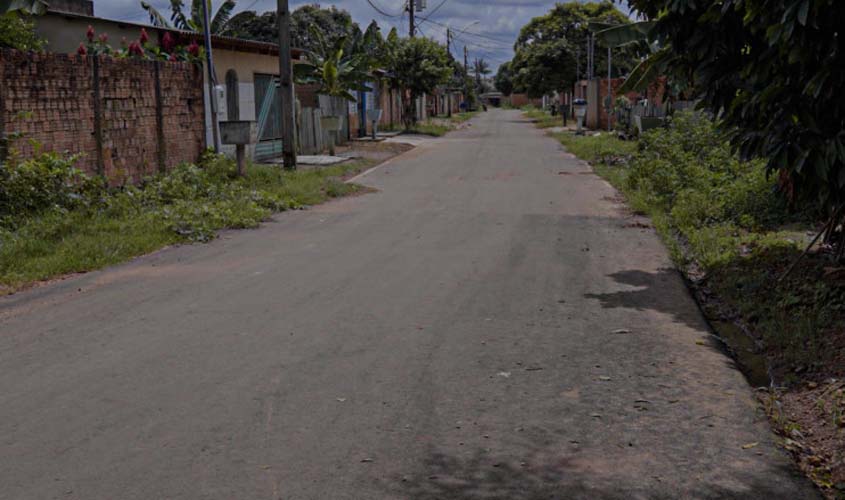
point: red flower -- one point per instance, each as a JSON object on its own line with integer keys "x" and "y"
{"x": 90, "y": 33}
{"x": 104, "y": 38}
{"x": 82, "y": 50}
{"x": 173, "y": 58}
{"x": 194, "y": 49}
{"x": 167, "y": 42}
{"x": 144, "y": 37}
{"x": 135, "y": 49}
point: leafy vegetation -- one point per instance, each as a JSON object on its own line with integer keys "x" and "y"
{"x": 503, "y": 80}
{"x": 417, "y": 65}
{"x": 773, "y": 71}
{"x": 332, "y": 23}
{"x": 17, "y": 31}
{"x": 331, "y": 70}
{"x": 55, "y": 220}
{"x": 193, "y": 20}
{"x": 548, "y": 46}
{"x": 541, "y": 118}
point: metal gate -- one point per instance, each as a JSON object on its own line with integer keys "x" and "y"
{"x": 268, "y": 104}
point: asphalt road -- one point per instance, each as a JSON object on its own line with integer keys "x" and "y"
{"x": 450, "y": 336}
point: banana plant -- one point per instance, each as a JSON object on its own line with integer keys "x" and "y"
{"x": 329, "y": 68}
{"x": 36, "y": 7}
{"x": 193, "y": 21}
{"x": 638, "y": 33}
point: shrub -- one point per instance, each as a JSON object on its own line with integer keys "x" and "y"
{"x": 47, "y": 181}
{"x": 689, "y": 171}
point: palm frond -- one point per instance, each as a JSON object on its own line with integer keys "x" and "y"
{"x": 622, "y": 34}
{"x": 221, "y": 18}
{"x": 196, "y": 11}
{"x": 646, "y": 72}
{"x": 177, "y": 17}
{"x": 156, "y": 19}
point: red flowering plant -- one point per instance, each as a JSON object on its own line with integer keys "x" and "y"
{"x": 143, "y": 48}
{"x": 94, "y": 45}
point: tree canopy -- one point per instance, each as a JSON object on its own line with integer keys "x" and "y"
{"x": 772, "y": 71}
{"x": 417, "y": 65}
{"x": 504, "y": 79}
{"x": 332, "y": 23}
{"x": 546, "y": 51}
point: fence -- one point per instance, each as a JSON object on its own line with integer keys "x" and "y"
{"x": 644, "y": 116}
{"x": 127, "y": 118}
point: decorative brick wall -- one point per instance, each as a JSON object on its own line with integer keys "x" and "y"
{"x": 128, "y": 118}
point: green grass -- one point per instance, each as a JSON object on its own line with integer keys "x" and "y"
{"x": 599, "y": 149}
{"x": 463, "y": 117}
{"x": 440, "y": 126}
{"x": 431, "y": 127}
{"x": 541, "y": 118}
{"x": 736, "y": 241}
{"x": 134, "y": 221}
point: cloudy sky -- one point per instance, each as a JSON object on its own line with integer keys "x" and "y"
{"x": 491, "y": 26}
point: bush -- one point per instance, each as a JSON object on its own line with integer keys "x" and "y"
{"x": 49, "y": 181}
{"x": 689, "y": 171}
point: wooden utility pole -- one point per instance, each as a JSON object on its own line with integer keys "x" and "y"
{"x": 411, "y": 7}
{"x": 609, "y": 89}
{"x": 212, "y": 81}
{"x": 448, "y": 90}
{"x": 286, "y": 87}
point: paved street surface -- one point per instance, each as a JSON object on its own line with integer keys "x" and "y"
{"x": 450, "y": 336}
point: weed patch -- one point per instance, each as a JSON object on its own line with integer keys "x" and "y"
{"x": 54, "y": 220}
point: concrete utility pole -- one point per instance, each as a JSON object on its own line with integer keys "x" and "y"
{"x": 286, "y": 87}
{"x": 411, "y": 7}
{"x": 212, "y": 81}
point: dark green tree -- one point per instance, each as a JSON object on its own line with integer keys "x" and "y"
{"x": 773, "y": 72}
{"x": 480, "y": 70}
{"x": 332, "y": 23}
{"x": 417, "y": 66}
{"x": 504, "y": 79}
{"x": 546, "y": 51}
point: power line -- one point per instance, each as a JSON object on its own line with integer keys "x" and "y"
{"x": 434, "y": 10}
{"x": 480, "y": 35}
{"x": 382, "y": 11}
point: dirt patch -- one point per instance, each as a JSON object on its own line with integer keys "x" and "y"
{"x": 811, "y": 421}
{"x": 377, "y": 151}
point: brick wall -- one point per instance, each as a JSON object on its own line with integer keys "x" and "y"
{"x": 119, "y": 122}
{"x": 520, "y": 100}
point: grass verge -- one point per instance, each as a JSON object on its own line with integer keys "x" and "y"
{"x": 541, "y": 118}
{"x": 438, "y": 127}
{"x": 187, "y": 205}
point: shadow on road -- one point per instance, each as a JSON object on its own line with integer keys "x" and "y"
{"x": 654, "y": 291}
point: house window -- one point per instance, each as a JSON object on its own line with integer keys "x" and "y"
{"x": 233, "y": 111}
